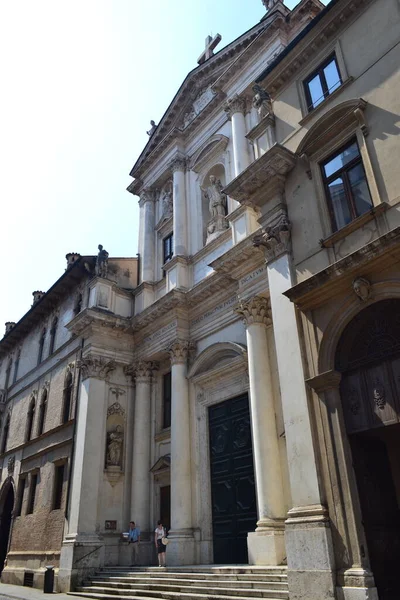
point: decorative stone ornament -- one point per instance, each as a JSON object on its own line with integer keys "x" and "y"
{"x": 275, "y": 239}
{"x": 261, "y": 101}
{"x": 11, "y": 465}
{"x": 178, "y": 164}
{"x": 255, "y": 310}
{"x": 96, "y": 366}
{"x": 362, "y": 288}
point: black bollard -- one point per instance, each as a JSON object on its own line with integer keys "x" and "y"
{"x": 49, "y": 580}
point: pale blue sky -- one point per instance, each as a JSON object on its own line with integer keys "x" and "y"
{"x": 81, "y": 80}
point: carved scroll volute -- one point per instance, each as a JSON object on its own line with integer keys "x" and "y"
{"x": 255, "y": 310}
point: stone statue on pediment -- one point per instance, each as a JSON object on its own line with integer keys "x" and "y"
{"x": 261, "y": 101}
{"x": 101, "y": 268}
{"x": 152, "y": 128}
{"x": 269, "y": 4}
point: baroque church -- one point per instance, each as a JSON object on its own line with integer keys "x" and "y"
{"x": 240, "y": 378}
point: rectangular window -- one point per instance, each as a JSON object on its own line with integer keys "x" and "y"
{"x": 58, "y": 486}
{"x": 167, "y": 396}
{"x": 168, "y": 251}
{"x": 20, "y": 495}
{"x": 346, "y": 186}
{"x": 322, "y": 82}
{"x": 32, "y": 493}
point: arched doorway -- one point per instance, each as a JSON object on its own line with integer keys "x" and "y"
{"x": 368, "y": 356}
{"x": 6, "y": 507}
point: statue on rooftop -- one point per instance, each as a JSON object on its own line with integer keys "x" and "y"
{"x": 152, "y": 129}
{"x": 261, "y": 101}
{"x": 269, "y": 4}
{"x": 101, "y": 268}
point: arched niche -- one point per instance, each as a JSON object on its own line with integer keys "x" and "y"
{"x": 215, "y": 356}
{"x": 214, "y": 203}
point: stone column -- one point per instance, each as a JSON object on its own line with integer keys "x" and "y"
{"x": 178, "y": 168}
{"x": 87, "y": 472}
{"x": 266, "y": 545}
{"x": 307, "y": 526}
{"x": 236, "y": 109}
{"x": 181, "y": 548}
{"x": 140, "y": 507}
{"x": 147, "y": 259}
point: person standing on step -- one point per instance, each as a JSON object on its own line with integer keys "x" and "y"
{"x": 134, "y": 539}
{"x": 160, "y": 537}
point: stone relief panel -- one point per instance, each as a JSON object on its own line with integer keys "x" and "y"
{"x": 203, "y": 98}
{"x": 115, "y": 436}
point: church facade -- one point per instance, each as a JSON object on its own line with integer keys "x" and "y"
{"x": 244, "y": 387}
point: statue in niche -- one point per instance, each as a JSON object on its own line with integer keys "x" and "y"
{"x": 167, "y": 206}
{"x": 261, "y": 101}
{"x": 152, "y": 129}
{"x": 114, "y": 447}
{"x": 101, "y": 268}
{"x": 216, "y": 198}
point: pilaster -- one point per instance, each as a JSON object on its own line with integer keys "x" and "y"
{"x": 147, "y": 262}
{"x": 178, "y": 168}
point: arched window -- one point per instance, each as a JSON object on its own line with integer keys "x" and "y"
{"x": 5, "y": 434}
{"x": 42, "y": 412}
{"x": 53, "y": 332}
{"x": 16, "y": 366}
{"x": 78, "y": 304}
{"x": 67, "y": 397}
{"x": 41, "y": 346}
{"x": 29, "y": 423}
{"x": 8, "y": 373}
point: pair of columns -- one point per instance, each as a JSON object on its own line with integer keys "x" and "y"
{"x": 181, "y": 499}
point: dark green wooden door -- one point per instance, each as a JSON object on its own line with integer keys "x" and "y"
{"x": 234, "y": 510}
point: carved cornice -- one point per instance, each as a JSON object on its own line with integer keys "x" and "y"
{"x": 329, "y": 380}
{"x": 275, "y": 239}
{"x": 236, "y": 104}
{"x": 96, "y": 366}
{"x": 239, "y": 259}
{"x": 208, "y": 152}
{"x": 264, "y": 178}
{"x": 179, "y": 351}
{"x": 255, "y": 310}
{"x": 96, "y": 317}
{"x": 174, "y": 298}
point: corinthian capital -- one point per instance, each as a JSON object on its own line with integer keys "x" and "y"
{"x": 141, "y": 371}
{"x": 146, "y": 195}
{"x": 178, "y": 164}
{"x": 96, "y": 366}
{"x": 235, "y": 104}
{"x": 255, "y": 310}
{"x": 179, "y": 351}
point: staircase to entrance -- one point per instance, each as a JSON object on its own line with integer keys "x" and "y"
{"x": 233, "y": 582}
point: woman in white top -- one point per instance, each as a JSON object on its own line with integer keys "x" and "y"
{"x": 159, "y": 534}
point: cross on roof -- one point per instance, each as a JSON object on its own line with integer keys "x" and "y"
{"x": 211, "y": 43}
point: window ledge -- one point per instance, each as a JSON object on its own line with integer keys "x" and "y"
{"x": 317, "y": 109}
{"x": 359, "y": 222}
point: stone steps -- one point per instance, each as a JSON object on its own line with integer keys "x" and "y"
{"x": 187, "y": 583}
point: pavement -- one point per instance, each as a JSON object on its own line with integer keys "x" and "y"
{"x": 19, "y": 592}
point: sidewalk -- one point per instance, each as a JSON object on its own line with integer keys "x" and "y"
{"x": 19, "y": 592}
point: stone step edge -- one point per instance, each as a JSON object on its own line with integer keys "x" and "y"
{"x": 183, "y": 584}
{"x": 118, "y": 597}
{"x": 180, "y": 594}
{"x": 178, "y": 588}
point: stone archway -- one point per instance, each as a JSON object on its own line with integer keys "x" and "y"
{"x": 368, "y": 357}
{"x": 7, "y": 498}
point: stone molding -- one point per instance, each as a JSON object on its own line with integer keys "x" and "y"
{"x": 275, "y": 239}
{"x": 330, "y": 380}
{"x": 313, "y": 513}
{"x": 179, "y": 163}
{"x": 96, "y": 366}
{"x": 236, "y": 104}
{"x": 255, "y": 310}
{"x": 179, "y": 351}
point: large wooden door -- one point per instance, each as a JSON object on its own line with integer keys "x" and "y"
{"x": 369, "y": 358}
{"x": 234, "y": 511}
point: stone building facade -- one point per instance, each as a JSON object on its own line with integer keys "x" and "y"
{"x": 246, "y": 391}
